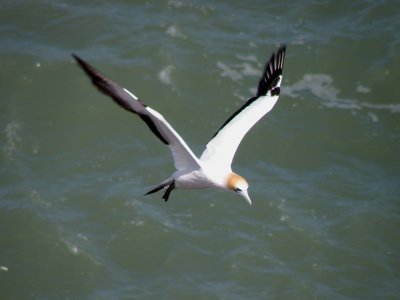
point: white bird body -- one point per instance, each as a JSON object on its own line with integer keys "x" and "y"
{"x": 213, "y": 168}
{"x": 200, "y": 178}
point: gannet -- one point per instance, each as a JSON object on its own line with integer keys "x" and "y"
{"x": 213, "y": 168}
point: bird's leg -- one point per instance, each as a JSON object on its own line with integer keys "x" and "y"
{"x": 159, "y": 187}
{"x": 168, "y": 191}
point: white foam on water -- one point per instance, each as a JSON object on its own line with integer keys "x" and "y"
{"x": 321, "y": 86}
{"x": 250, "y": 58}
{"x": 72, "y": 248}
{"x": 80, "y": 244}
{"x": 374, "y": 117}
{"x": 3, "y": 268}
{"x": 165, "y": 75}
{"x": 229, "y": 72}
{"x": 12, "y": 134}
{"x": 248, "y": 70}
{"x": 363, "y": 89}
{"x": 204, "y": 9}
{"x": 236, "y": 72}
{"x": 175, "y": 32}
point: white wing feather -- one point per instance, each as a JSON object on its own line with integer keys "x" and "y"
{"x": 181, "y": 153}
{"x": 222, "y": 148}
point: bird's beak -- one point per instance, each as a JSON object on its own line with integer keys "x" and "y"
{"x": 245, "y": 195}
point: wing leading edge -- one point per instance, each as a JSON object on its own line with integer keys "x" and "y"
{"x": 182, "y": 155}
{"x": 222, "y": 147}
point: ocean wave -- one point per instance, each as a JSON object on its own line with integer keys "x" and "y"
{"x": 175, "y": 32}
{"x": 204, "y": 9}
{"x": 322, "y": 87}
{"x": 237, "y": 72}
{"x": 165, "y": 75}
{"x": 229, "y": 72}
{"x": 12, "y": 138}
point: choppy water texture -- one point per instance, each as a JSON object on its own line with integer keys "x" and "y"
{"x": 323, "y": 166}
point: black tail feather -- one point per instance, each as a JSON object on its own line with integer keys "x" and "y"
{"x": 169, "y": 183}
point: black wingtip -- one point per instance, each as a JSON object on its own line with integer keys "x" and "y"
{"x": 75, "y": 56}
{"x": 268, "y": 82}
{"x": 104, "y": 84}
{"x": 272, "y": 71}
{"x": 89, "y": 70}
{"x": 78, "y": 59}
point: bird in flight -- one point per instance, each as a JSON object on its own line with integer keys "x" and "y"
{"x": 213, "y": 168}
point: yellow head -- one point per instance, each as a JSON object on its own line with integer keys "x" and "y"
{"x": 239, "y": 185}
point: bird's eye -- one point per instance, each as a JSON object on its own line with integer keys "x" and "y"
{"x": 237, "y": 190}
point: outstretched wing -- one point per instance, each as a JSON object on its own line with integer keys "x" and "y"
{"x": 182, "y": 155}
{"x": 222, "y": 147}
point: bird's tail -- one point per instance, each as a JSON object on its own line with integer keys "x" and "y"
{"x": 171, "y": 185}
